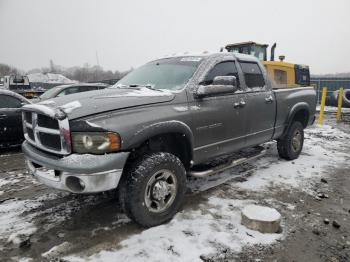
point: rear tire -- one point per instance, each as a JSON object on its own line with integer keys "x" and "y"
{"x": 153, "y": 189}
{"x": 289, "y": 147}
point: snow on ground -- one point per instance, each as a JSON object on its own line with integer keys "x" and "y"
{"x": 333, "y": 109}
{"x": 215, "y": 225}
{"x": 49, "y": 78}
{"x": 12, "y": 223}
{"x": 11, "y": 179}
{"x": 56, "y": 250}
{"x": 203, "y": 229}
{"x": 323, "y": 148}
{"x": 4, "y": 182}
{"x": 18, "y": 217}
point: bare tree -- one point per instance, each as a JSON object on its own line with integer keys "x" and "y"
{"x": 8, "y": 70}
{"x": 85, "y": 73}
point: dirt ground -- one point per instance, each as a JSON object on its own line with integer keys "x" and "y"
{"x": 310, "y": 238}
{"x": 85, "y": 225}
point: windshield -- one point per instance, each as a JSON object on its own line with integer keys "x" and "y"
{"x": 50, "y": 93}
{"x": 170, "y": 74}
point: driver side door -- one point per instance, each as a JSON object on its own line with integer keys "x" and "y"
{"x": 219, "y": 121}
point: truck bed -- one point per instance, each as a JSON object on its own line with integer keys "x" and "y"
{"x": 286, "y": 99}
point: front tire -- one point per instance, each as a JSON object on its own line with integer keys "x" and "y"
{"x": 289, "y": 147}
{"x": 153, "y": 189}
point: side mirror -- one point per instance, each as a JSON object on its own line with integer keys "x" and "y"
{"x": 224, "y": 81}
{"x": 221, "y": 85}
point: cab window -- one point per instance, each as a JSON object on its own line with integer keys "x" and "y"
{"x": 252, "y": 74}
{"x": 221, "y": 69}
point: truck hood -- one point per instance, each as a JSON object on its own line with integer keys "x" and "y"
{"x": 99, "y": 101}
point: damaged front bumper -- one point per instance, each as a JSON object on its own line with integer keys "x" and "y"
{"x": 76, "y": 173}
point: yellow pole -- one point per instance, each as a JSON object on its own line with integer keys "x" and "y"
{"x": 323, "y": 102}
{"x": 340, "y": 103}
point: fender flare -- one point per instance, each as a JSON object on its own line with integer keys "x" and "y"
{"x": 296, "y": 108}
{"x": 160, "y": 128}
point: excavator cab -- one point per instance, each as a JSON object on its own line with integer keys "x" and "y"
{"x": 249, "y": 48}
{"x": 283, "y": 74}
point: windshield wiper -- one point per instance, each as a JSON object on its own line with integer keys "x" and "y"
{"x": 122, "y": 86}
{"x": 147, "y": 86}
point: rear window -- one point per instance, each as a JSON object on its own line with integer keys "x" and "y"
{"x": 252, "y": 74}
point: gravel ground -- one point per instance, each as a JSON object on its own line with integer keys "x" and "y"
{"x": 42, "y": 224}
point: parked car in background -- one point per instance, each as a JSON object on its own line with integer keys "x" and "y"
{"x": 63, "y": 90}
{"x": 11, "y": 130}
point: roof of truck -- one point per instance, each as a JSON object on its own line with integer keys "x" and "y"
{"x": 213, "y": 55}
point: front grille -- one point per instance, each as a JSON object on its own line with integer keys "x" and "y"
{"x": 28, "y": 117}
{"x": 51, "y": 141}
{"x": 48, "y": 122}
{"x": 46, "y": 132}
{"x": 30, "y": 133}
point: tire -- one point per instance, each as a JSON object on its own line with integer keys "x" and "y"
{"x": 346, "y": 98}
{"x": 153, "y": 189}
{"x": 289, "y": 147}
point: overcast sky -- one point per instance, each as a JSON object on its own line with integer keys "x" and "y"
{"x": 129, "y": 33}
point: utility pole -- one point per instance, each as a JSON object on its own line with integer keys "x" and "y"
{"x": 97, "y": 61}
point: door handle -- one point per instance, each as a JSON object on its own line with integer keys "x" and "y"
{"x": 241, "y": 103}
{"x": 269, "y": 99}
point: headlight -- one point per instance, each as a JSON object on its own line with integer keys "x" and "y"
{"x": 95, "y": 142}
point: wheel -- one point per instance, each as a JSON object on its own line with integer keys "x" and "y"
{"x": 153, "y": 189}
{"x": 290, "y": 146}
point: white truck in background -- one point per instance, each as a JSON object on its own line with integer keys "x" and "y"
{"x": 20, "y": 84}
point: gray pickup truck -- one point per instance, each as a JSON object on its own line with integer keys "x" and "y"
{"x": 160, "y": 124}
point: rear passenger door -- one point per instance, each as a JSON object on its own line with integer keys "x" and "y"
{"x": 260, "y": 104}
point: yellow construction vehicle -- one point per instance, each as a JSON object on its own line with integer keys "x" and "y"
{"x": 282, "y": 73}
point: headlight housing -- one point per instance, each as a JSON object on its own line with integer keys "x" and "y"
{"x": 95, "y": 142}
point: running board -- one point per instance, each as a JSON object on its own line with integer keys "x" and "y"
{"x": 235, "y": 162}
